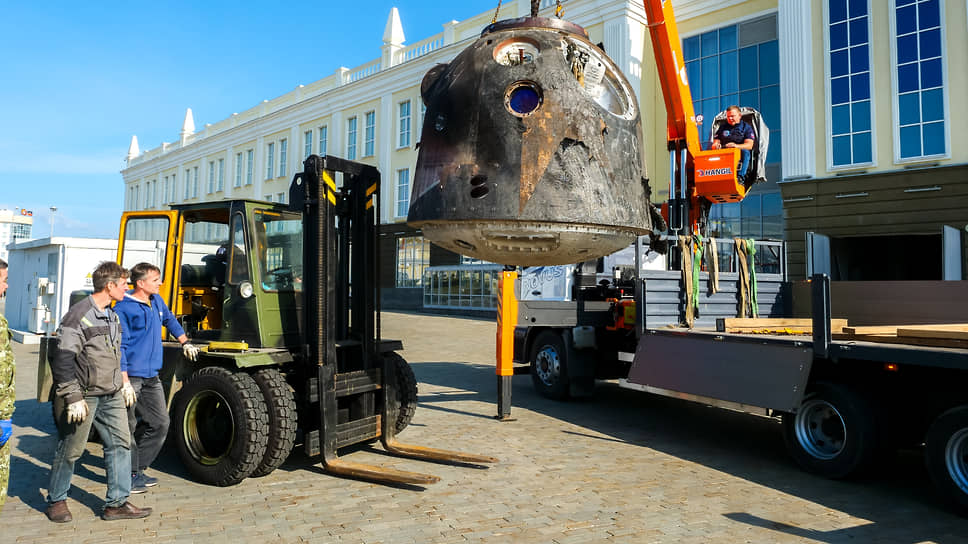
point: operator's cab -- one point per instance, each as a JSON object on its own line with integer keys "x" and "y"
{"x": 231, "y": 270}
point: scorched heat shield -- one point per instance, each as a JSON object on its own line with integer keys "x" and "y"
{"x": 530, "y": 152}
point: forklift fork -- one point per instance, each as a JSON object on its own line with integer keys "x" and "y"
{"x": 355, "y": 385}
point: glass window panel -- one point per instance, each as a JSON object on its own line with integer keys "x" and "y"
{"x": 710, "y": 43}
{"x": 934, "y": 138}
{"x": 906, "y": 20}
{"x": 690, "y": 48}
{"x": 748, "y": 58}
{"x": 840, "y": 119}
{"x": 841, "y": 149}
{"x": 859, "y": 61}
{"x": 860, "y": 116}
{"x": 728, "y": 100}
{"x": 857, "y": 8}
{"x": 862, "y": 147}
{"x": 932, "y": 105}
{"x": 694, "y": 74}
{"x": 904, "y": 2}
{"x": 909, "y": 111}
{"x": 727, "y": 38}
{"x": 750, "y": 98}
{"x": 710, "y": 77}
{"x": 931, "y": 73}
{"x": 930, "y": 43}
{"x": 839, "y": 65}
{"x": 858, "y": 31}
{"x": 907, "y": 78}
{"x": 860, "y": 86}
{"x": 770, "y": 105}
{"x": 838, "y": 10}
{"x": 772, "y": 204}
{"x": 911, "y": 141}
{"x": 929, "y": 14}
{"x": 839, "y": 90}
{"x": 728, "y": 73}
{"x": 769, "y": 63}
{"x": 907, "y": 48}
{"x": 773, "y": 153}
{"x": 838, "y": 36}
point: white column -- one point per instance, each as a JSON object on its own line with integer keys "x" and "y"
{"x": 795, "y": 26}
{"x": 258, "y": 167}
{"x": 624, "y": 40}
{"x": 388, "y": 143}
{"x": 293, "y": 156}
{"x": 228, "y": 173}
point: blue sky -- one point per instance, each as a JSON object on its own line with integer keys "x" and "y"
{"x": 80, "y": 80}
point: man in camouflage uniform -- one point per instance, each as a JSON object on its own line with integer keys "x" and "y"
{"x": 6, "y": 392}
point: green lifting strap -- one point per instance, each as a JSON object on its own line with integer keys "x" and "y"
{"x": 696, "y": 267}
{"x": 751, "y": 251}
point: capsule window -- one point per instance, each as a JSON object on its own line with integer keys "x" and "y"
{"x": 523, "y": 98}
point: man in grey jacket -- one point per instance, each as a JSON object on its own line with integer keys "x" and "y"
{"x": 90, "y": 391}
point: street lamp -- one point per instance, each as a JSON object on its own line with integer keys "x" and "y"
{"x": 53, "y": 210}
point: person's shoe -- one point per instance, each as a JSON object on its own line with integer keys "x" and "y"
{"x": 147, "y": 480}
{"x": 125, "y": 511}
{"x": 137, "y": 486}
{"x": 58, "y": 512}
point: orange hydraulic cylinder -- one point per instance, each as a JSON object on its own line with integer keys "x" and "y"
{"x": 507, "y": 320}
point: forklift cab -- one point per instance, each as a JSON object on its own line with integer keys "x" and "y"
{"x": 231, "y": 270}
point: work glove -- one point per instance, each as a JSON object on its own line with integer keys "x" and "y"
{"x": 77, "y": 411}
{"x": 128, "y": 393}
{"x": 6, "y": 429}
{"x": 190, "y": 351}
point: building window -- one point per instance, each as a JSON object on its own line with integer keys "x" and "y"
{"x": 164, "y": 191}
{"x": 423, "y": 116}
{"x": 351, "y": 138}
{"x": 238, "y": 170}
{"x": 738, "y": 64}
{"x": 413, "y": 257}
{"x": 174, "y": 187}
{"x": 211, "y": 177}
{"x": 137, "y": 196}
{"x": 268, "y": 198}
{"x": 270, "y": 162}
{"x": 281, "y": 198}
{"x": 919, "y": 54}
{"x": 249, "y": 164}
{"x": 848, "y": 33}
{"x": 195, "y": 182}
{"x": 404, "y": 140}
{"x": 220, "y": 184}
{"x": 307, "y": 143}
{"x": 283, "y": 152}
{"x": 323, "y": 140}
{"x": 369, "y": 134}
{"x": 147, "y": 194}
{"x": 403, "y": 192}
{"x": 188, "y": 184}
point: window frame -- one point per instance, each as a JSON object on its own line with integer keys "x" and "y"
{"x": 249, "y": 166}
{"x": 369, "y": 133}
{"x": 220, "y": 180}
{"x": 308, "y": 142}
{"x": 323, "y": 137}
{"x": 283, "y": 156}
{"x": 270, "y": 160}
{"x": 404, "y": 136}
{"x": 895, "y": 95}
{"x": 352, "y": 128}
{"x": 211, "y": 177}
{"x": 238, "y": 170}
{"x": 397, "y": 201}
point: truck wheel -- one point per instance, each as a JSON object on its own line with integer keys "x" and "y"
{"x": 281, "y": 408}
{"x": 549, "y": 365}
{"x": 946, "y": 455}
{"x": 406, "y": 391}
{"x": 833, "y": 433}
{"x": 219, "y": 422}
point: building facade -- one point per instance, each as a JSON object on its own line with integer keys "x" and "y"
{"x": 850, "y": 108}
{"x": 15, "y": 225}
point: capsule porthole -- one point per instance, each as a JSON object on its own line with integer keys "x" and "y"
{"x": 523, "y": 98}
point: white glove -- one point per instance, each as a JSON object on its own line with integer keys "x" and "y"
{"x": 77, "y": 411}
{"x": 129, "y": 396}
{"x": 190, "y": 351}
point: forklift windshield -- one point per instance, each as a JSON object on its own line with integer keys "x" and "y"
{"x": 279, "y": 242}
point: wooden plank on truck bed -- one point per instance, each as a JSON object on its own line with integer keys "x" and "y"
{"x": 954, "y": 331}
{"x": 773, "y": 325}
{"x": 909, "y": 340}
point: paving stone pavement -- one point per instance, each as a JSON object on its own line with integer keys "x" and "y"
{"x": 623, "y": 467}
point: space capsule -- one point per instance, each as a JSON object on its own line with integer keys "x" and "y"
{"x": 530, "y": 152}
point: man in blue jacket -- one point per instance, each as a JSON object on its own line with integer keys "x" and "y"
{"x": 142, "y": 314}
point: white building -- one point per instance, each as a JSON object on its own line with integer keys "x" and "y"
{"x": 15, "y": 225}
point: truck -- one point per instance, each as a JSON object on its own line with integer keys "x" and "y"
{"x": 284, "y": 303}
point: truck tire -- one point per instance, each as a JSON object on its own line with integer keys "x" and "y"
{"x": 219, "y": 420}
{"x": 281, "y": 409}
{"x": 946, "y": 455}
{"x": 406, "y": 391}
{"x": 833, "y": 433}
{"x": 549, "y": 365}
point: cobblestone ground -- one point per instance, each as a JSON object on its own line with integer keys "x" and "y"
{"x": 623, "y": 467}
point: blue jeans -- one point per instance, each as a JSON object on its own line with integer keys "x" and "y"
{"x": 109, "y": 416}
{"x": 148, "y": 420}
{"x": 744, "y": 162}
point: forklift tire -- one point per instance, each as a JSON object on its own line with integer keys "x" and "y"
{"x": 219, "y": 420}
{"x": 833, "y": 433}
{"x": 406, "y": 391}
{"x": 281, "y": 408}
{"x": 549, "y": 365}
{"x": 946, "y": 455}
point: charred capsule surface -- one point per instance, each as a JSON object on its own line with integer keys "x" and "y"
{"x": 530, "y": 152}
